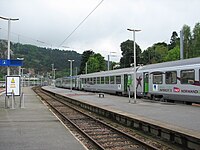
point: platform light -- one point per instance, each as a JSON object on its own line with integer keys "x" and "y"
{"x": 134, "y": 51}
{"x": 8, "y": 19}
{"x": 71, "y": 74}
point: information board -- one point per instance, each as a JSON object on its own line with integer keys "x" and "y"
{"x": 13, "y": 85}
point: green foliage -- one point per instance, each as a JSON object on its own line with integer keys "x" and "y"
{"x": 174, "y": 40}
{"x": 39, "y": 59}
{"x": 161, "y": 52}
{"x": 128, "y": 54}
{"x": 85, "y": 56}
{"x": 173, "y": 54}
{"x": 95, "y": 63}
{"x": 154, "y": 54}
{"x": 196, "y": 41}
{"x": 187, "y": 41}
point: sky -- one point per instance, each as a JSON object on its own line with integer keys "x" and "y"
{"x": 48, "y": 23}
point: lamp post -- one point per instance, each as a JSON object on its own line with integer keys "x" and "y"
{"x": 71, "y": 74}
{"x": 54, "y": 73}
{"x": 86, "y": 67}
{"x": 52, "y": 65}
{"x": 134, "y": 51}
{"x": 22, "y": 76}
{"x": 9, "y": 19}
{"x": 109, "y": 59}
{"x": 20, "y": 66}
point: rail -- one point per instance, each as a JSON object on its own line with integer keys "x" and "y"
{"x": 101, "y": 134}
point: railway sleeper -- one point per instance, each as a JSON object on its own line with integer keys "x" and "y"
{"x": 99, "y": 133}
{"x": 112, "y": 135}
{"x": 122, "y": 145}
{"x": 111, "y": 140}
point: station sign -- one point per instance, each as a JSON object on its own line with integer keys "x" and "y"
{"x": 11, "y": 62}
{"x": 4, "y": 62}
{"x": 13, "y": 85}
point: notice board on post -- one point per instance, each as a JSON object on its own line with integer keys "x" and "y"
{"x": 13, "y": 85}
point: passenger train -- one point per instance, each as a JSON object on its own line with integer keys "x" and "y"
{"x": 169, "y": 81}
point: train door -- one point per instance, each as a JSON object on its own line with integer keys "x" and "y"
{"x": 146, "y": 83}
{"x": 125, "y": 82}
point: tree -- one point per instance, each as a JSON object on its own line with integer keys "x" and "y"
{"x": 96, "y": 63}
{"x": 155, "y": 53}
{"x": 174, "y": 40}
{"x": 128, "y": 54}
{"x": 161, "y": 50}
{"x": 187, "y": 41}
{"x": 173, "y": 54}
{"x": 102, "y": 63}
{"x": 85, "y": 56}
{"x": 38, "y": 60}
{"x": 196, "y": 40}
{"x": 146, "y": 57}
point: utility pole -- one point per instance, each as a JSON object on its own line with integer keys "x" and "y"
{"x": 181, "y": 44}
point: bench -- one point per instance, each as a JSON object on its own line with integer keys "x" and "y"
{"x": 101, "y": 95}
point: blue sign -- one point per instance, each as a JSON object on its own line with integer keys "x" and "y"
{"x": 3, "y": 62}
{"x": 11, "y": 62}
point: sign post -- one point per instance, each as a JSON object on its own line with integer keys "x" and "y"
{"x": 13, "y": 88}
{"x": 129, "y": 86}
{"x": 13, "y": 84}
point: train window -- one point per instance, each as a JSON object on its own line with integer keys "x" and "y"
{"x": 94, "y": 80}
{"x": 187, "y": 76}
{"x": 171, "y": 77}
{"x": 84, "y": 80}
{"x": 112, "y": 81}
{"x": 98, "y": 80}
{"x": 118, "y": 79}
{"x": 157, "y": 79}
{"x": 87, "y": 80}
{"x": 102, "y": 80}
{"x": 91, "y": 80}
{"x": 199, "y": 75}
{"x": 107, "y": 80}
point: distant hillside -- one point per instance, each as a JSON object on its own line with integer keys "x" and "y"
{"x": 39, "y": 59}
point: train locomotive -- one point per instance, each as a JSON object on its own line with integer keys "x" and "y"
{"x": 168, "y": 81}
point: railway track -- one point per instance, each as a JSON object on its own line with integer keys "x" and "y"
{"x": 100, "y": 134}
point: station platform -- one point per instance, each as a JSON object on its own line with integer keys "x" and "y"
{"x": 33, "y": 127}
{"x": 183, "y": 118}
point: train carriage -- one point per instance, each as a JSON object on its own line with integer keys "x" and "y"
{"x": 113, "y": 81}
{"x": 65, "y": 82}
{"x": 177, "y": 80}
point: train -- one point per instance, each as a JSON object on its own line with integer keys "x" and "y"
{"x": 168, "y": 81}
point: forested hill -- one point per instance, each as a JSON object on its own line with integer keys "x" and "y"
{"x": 39, "y": 59}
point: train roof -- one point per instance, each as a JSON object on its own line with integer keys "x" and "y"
{"x": 129, "y": 70}
{"x": 177, "y": 63}
{"x": 191, "y": 61}
{"x": 110, "y": 72}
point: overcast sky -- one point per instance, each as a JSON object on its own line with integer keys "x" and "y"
{"x": 51, "y": 21}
